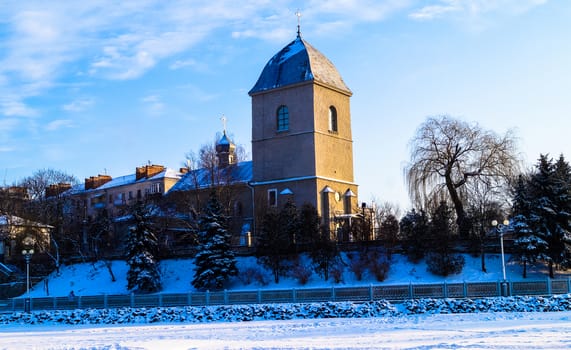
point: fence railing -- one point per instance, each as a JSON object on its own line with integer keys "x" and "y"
{"x": 301, "y": 295}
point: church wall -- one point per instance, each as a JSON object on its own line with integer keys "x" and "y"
{"x": 283, "y": 154}
{"x": 334, "y": 150}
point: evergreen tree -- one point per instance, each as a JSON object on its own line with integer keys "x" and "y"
{"x": 414, "y": 230}
{"x": 215, "y": 262}
{"x": 390, "y": 232}
{"x": 549, "y": 190}
{"x": 275, "y": 244}
{"x": 441, "y": 260}
{"x": 142, "y": 248}
{"x": 289, "y": 221}
{"x": 528, "y": 247}
{"x": 308, "y": 226}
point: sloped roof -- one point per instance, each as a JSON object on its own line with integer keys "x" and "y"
{"x": 14, "y": 220}
{"x": 201, "y": 178}
{"x": 126, "y": 180}
{"x": 298, "y": 62}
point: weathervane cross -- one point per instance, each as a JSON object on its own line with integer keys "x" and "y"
{"x": 298, "y": 14}
{"x": 224, "y": 120}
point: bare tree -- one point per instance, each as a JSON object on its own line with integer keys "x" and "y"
{"x": 381, "y": 211}
{"x": 40, "y": 180}
{"x": 448, "y": 155}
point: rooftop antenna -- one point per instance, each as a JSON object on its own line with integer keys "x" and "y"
{"x": 298, "y": 14}
{"x": 224, "y": 120}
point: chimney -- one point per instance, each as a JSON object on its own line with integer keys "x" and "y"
{"x": 96, "y": 181}
{"x": 147, "y": 171}
{"x": 55, "y": 190}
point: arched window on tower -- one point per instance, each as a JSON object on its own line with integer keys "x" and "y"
{"x": 332, "y": 119}
{"x": 283, "y": 118}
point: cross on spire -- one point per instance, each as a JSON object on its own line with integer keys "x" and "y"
{"x": 224, "y": 120}
{"x": 298, "y": 14}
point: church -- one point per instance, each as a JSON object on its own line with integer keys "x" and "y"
{"x": 302, "y": 147}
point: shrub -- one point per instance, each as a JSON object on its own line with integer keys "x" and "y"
{"x": 445, "y": 264}
{"x": 301, "y": 273}
{"x": 378, "y": 264}
{"x": 336, "y": 272}
{"x": 357, "y": 266}
{"x": 251, "y": 274}
{"x": 380, "y": 269}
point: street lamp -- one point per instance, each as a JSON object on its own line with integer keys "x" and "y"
{"x": 501, "y": 228}
{"x": 27, "y": 252}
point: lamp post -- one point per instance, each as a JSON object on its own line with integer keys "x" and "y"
{"x": 27, "y": 252}
{"x": 501, "y": 228}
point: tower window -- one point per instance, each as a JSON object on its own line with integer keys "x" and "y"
{"x": 332, "y": 119}
{"x": 273, "y": 197}
{"x": 283, "y": 118}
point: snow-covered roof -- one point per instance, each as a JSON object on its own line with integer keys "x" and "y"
{"x": 298, "y": 62}
{"x": 18, "y": 221}
{"x": 127, "y": 180}
{"x": 201, "y": 178}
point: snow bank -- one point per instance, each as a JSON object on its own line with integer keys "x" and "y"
{"x": 238, "y": 313}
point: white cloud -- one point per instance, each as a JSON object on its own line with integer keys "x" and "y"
{"x": 473, "y": 8}
{"x": 15, "y": 108}
{"x": 59, "y": 124}
{"x": 79, "y": 105}
{"x": 8, "y": 124}
{"x": 154, "y": 104}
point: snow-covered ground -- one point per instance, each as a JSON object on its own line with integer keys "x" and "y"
{"x": 419, "y": 324}
{"x": 545, "y": 330}
{"x": 95, "y": 279}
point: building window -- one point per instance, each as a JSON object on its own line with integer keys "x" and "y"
{"x": 283, "y": 118}
{"x": 273, "y": 197}
{"x": 130, "y": 194}
{"x": 155, "y": 188}
{"x": 110, "y": 199}
{"x": 332, "y": 119}
{"x": 139, "y": 194}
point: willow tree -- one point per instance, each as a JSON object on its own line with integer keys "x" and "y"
{"x": 448, "y": 156}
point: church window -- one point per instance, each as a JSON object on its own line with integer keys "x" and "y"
{"x": 273, "y": 197}
{"x": 283, "y": 118}
{"x": 332, "y": 119}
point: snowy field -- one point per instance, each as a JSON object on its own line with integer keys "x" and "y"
{"x": 95, "y": 279}
{"x": 412, "y": 325}
{"x": 545, "y": 330}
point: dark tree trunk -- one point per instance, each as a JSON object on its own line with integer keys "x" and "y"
{"x": 483, "y": 257}
{"x": 461, "y": 219}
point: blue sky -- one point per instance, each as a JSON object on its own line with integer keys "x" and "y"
{"x": 93, "y": 87}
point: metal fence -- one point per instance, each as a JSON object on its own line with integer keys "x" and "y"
{"x": 301, "y": 295}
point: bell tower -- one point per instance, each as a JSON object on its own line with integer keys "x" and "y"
{"x": 301, "y": 133}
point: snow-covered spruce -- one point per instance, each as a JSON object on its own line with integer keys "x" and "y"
{"x": 237, "y": 313}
